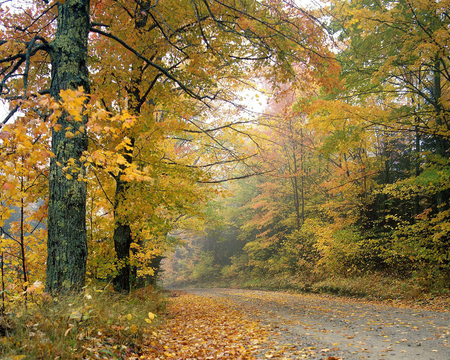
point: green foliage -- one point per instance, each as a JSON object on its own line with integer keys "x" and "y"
{"x": 205, "y": 270}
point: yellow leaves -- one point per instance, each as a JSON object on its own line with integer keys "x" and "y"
{"x": 74, "y": 102}
{"x": 98, "y": 115}
{"x": 150, "y": 317}
{"x": 204, "y": 328}
{"x": 127, "y": 121}
{"x": 134, "y": 329}
{"x": 120, "y": 160}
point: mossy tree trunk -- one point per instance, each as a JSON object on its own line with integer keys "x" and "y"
{"x": 67, "y": 243}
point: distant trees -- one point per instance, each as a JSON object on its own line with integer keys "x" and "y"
{"x": 360, "y": 174}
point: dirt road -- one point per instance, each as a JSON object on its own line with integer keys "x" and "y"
{"x": 308, "y": 326}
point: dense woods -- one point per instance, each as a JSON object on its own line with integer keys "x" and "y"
{"x": 132, "y": 135}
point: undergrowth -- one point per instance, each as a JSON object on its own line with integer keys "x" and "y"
{"x": 96, "y": 324}
{"x": 376, "y": 286}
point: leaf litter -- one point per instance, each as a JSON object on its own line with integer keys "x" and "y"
{"x": 323, "y": 328}
{"x": 199, "y": 327}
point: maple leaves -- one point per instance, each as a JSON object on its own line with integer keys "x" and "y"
{"x": 203, "y": 328}
{"x": 24, "y": 155}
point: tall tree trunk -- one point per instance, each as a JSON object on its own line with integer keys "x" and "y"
{"x": 22, "y": 240}
{"x": 122, "y": 231}
{"x": 296, "y": 195}
{"x": 2, "y": 266}
{"x": 67, "y": 243}
{"x": 299, "y": 216}
{"x": 440, "y": 139}
{"x": 302, "y": 182}
{"x": 122, "y": 236}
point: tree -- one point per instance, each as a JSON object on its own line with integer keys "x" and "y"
{"x": 67, "y": 51}
{"x": 67, "y": 242}
{"x": 23, "y": 181}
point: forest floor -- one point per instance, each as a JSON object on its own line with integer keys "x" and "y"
{"x": 249, "y": 324}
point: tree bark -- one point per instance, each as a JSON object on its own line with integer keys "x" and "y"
{"x": 122, "y": 238}
{"x": 67, "y": 239}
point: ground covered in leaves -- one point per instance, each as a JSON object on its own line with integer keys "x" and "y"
{"x": 206, "y": 328}
{"x": 223, "y": 324}
{"x": 245, "y": 324}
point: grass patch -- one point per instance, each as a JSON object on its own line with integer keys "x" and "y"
{"x": 96, "y": 324}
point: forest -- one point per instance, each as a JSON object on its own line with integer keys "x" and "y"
{"x": 353, "y": 176}
{"x": 247, "y": 143}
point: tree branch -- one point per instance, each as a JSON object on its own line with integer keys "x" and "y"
{"x": 163, "y": 70}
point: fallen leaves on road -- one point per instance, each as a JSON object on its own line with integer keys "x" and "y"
{"x": 215, "y": 328}
{"x": 202, "y": 328}
{"x": 243, "y": 324}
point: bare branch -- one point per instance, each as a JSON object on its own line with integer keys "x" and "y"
{"x": 235, "y": 178}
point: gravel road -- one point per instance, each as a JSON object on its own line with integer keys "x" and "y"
{"x": 309, "y": 326}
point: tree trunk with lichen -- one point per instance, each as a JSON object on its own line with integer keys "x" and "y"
{"x": 67, "y": 240}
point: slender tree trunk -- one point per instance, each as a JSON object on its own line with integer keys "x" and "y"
{"x": 67, "y": 244}
{"x": 298, "y": 215}
{"x": 437, "y": 92}
{"x": 440, "y": 140}
{"x": 22, "y": 241}
{"x": 2, "y": 308}
{"x": 417, "y": 144}
{"x": 122, "y": 231}
{"x": 417, "y": 167}
{"x": 302, "y": 182}
{"x": 296, "y": 195}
